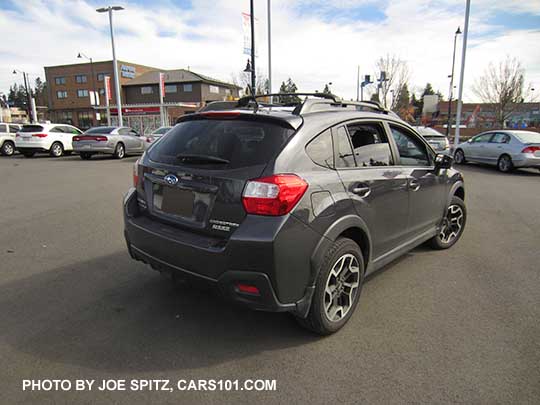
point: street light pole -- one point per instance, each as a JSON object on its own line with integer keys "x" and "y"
{"x": 110, "y": 9}
{"x": 451, "y": 91}
{"x": 462, "y": 74}
{"x": 82, "y": 55}
{"x": 270, "y": 49}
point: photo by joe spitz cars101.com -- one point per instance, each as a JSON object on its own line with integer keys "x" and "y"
{"x": 290, "y": 210}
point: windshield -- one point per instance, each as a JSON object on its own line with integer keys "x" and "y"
{"x": 100, "y": 130}
{"x": 426, "y": 131}
{"x": 221, "y": 144}
{"x": 31, "y": 128}
{"x": 528, "y": 136}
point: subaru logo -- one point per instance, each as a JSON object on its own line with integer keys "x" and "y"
{"x": 171, "y": 179}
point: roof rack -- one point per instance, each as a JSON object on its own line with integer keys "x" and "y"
{"x": 308, "y": 105}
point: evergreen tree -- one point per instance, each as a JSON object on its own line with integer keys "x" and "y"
{"x": 288, "y": 87}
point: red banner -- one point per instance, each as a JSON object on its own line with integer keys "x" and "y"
{"x": 136, "y": 110}
{"x": 108, "y": 93}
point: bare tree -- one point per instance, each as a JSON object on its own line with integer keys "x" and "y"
{"x": 397, "y": 75}
{"x": 243, "y": 80}
{"x": 504, "y": 86}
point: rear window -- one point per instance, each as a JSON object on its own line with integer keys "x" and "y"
{"x": 241, "y": 143}
{"x": 31, "y": 128}
{"x": 427, "y": 131}
{"x": 528, "y": 137}
{"x": 100, "y": 130}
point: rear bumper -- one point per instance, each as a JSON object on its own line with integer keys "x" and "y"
{"x": 282, "y": 285}
{"x": 31, "y": 149}
{"x": 526, "y": 160}
{"x": 93, "y": 149}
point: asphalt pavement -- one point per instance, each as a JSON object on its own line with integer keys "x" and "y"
{"x": 454, "y": 326}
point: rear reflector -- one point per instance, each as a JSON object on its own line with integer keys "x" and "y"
{"x": 248, "y": 289}
{"x": 40, "y": 135}
{"x": 531, "y": 149}
{"x": 274, "y": 195}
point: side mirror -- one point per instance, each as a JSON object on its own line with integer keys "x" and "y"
{"x": 443, "y": 161}
{"x": 469, "y": 140}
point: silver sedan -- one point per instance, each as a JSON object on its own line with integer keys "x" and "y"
{"x": 116, "y": 141}
{"x": 506, "y": 149}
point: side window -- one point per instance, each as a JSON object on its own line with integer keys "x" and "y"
{"x": 500, "y": 138}
{"x": 344, "y": 153}
{"x": 57, "y": 129}
{"x": 123, "y": 131}
{"x": 133, "y": 132}
{"x": 3, "y": 128}
{"x": 321, "y": 150}
{"x": 371, "y": 147}
{"x": 13, "y": 129}
{"x": 71, "y": 130}
{"x": 412, "y": 151}
{"x": 482, "y": 138}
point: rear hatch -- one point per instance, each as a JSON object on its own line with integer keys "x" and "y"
{"x": 436, "y": 142}
{"x": 194, "y": 177}
{"x": 31, "y": 133}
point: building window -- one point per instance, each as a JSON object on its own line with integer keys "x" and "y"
{"x": 101, "y": 76}
{"x": 61, "y": 94}
{"x": 228, "y": 91}
{"x": 101, "y": 92}
{"x": 171, "y": 88}
{"x": 147, "y": 90}
{"x": 65, "y": 117}
{"x": 188, "y": 88}
{"x": 82, "y": 93}
{"x": 214, "y": 89}
{"x": 80, "y": 78}
{"x": 85, "y": 119}
{"x": 60, "y": 80}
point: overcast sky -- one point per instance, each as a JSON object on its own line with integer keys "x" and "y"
{"x": 313, "y": 41}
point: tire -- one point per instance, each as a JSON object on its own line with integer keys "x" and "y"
{"x": 56, "y": 150}
{"x": 28, "y": 154}
{"x": 86, "y": 155}
{"x": 345, "y": 253}
{"x": 452, "y": 226}
{"x": 119, "y": 151}
{"x": 504, "y": 164}
{"x": 459, "y": 157}
{"x": 8, "y": 148}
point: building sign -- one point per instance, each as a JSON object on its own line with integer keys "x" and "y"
{"x": 127, "y": 71}
{"x": 136, "y": 110}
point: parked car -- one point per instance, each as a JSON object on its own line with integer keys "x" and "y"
{"x": 115, "y": 141}
{"x": 507, "y": 149}
{"x": 54, "y": 139}
{"x": 8, "y": 132}
{"x": 291, "y": 211}
{"x": 155, "y": 135}
{"x": 439, "y": 142}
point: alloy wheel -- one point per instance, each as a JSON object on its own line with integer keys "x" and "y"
{"x": 341, "y": 287}
{"x": 505, "y": 164}
{"x": 459, "y": 157}
{"x": 56, "y": 150}
{"x": 8, "y": 149}
{"x": 452, "y": 224}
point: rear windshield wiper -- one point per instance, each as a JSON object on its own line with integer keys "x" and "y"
{"x": 190, "y": 157}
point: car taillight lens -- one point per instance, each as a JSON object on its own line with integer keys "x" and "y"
{"x": 136, "y": 174}
{"x": 149, "y": 139}
{"x": 273, "y": 195}
{"x": 101, "y": 138}
{"x": 76, "y": 139}
{"x": 40, "y": 135}
{"x": 531, "y": 149}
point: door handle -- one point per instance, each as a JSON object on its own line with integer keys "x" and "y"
{"x": 362, "y": 191}
{"x": 414, "y": 185}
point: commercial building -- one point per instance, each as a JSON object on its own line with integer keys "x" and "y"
{"x": 70, "y": 86}
{"x": 185, "y": 91}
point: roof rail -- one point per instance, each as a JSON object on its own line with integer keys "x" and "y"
{"x": 308, "y": 104}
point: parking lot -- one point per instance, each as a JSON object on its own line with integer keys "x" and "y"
{"x": 460, "y": 325}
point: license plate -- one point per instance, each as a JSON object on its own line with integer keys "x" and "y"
{"x": 27, "y": 139}
{"x": 172, "y": 200}
{"x": 87, "y": 146}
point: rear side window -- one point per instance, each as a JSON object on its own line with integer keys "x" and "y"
{"x": 13, "y": 129}
{"x": 100, "y": 130}
{"x": 31, "y": 128}
{"x": 3, "y": 128}
{"x": 344, "y": 153}
{"x": 500, "y": 138}
{"x": 241, "y": 143}
{"x": 371, "y": 147}
{"x": 321, "y": 150}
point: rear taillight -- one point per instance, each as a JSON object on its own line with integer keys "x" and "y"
{"x": 101, "y": 138}
{"x": 531, "y": 149}
{"x": 273, "y": 195}
{"x": 17, "y": 135}
{"x": 148, "y": 139}
{"x": 76, "y": 139}
{"x": 40, "y": 135}
{"x": 220, "y": 114}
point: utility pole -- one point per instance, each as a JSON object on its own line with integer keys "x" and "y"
{"x": 451, "y": 91}
{"x": 270, "y": 49}
{"x": 462, "y": 74}
{"x": 252, "y": 21}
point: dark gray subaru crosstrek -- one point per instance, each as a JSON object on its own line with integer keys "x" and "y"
{"x": 290, "y": 210}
